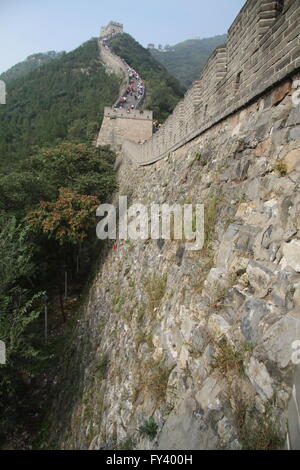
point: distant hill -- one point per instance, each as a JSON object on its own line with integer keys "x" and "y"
{"x": 28, "y": 65}
{"x": 61, "y": 100}
{"x": 186, "y": 59}
{"x": 163, "y": 90}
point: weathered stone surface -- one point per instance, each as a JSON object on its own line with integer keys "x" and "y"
{"x": 294, "y": 134}
{"x": 294, "y": 414}
{"x": 226, "y": 434}
{"x": 208, "y": 396}
{"x": 294, "y": 118}
{"x": 263, "y": 148}
{"x": 246, "y": 210}
{"x": 297, "y": 297}
{"x": 246, "y": 238}
{"x": 225, "y": 254}
{"x": 281, "y": 92}
{"x": 260, "y": 278}
{"x": 278, "y": 339}
{"x": 291, "y": 255}
{"x": 217, "y": 326}
{"x": 292, "y": 160}
{"x": 260, "y": 379}
{"x": 294, "y": 426}
{"x": 283, "y": 289}
{"x": 184, "y": 430}
{"x": 254, "y": 311}
{"x": 197, "y": 340}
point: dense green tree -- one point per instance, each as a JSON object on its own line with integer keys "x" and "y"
{"x": 18, "y": 310}
{"x": 62, "y": 226}
{"x": 46, "y": 135}
{"x": 82, "y": 167}
{"x": 51, "y": 180}
{"x": 63, "y": 99}
{"x": 67, "y": 220}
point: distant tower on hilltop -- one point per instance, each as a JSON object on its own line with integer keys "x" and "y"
{"x": 111, "y": 29}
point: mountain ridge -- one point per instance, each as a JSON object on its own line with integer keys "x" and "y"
{"x": 186, "y": 59}
{"x": 32, "y": 62}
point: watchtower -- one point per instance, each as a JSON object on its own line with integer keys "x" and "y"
{"x": 111, "y": 29}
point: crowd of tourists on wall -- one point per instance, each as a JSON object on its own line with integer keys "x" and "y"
{"x": 135, "y": 91}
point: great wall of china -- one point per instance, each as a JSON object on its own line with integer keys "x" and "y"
{"x": 260, "y": 64}
{"x": 118, "y": 125}
{"x": 262, "y": 50}
{"x": 216, "y": 363}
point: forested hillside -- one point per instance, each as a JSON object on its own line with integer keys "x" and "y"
{"x": 163, "y": 91}
{"x": 186, "y": 59}
{"x": 63, "y": 99}
{"x": 52, "y": 179}
{"x": 32, "y": 62}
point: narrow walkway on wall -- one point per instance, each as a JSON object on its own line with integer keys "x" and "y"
{"x": 135, "y": 92}
{"x": 132, "y": 97}
{"x": 126, "y": 120}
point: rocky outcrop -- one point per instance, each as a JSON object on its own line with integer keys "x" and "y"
{"x": 193, "y": 350}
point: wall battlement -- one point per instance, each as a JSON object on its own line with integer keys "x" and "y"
{"x": 119, "y": 126}
{"x": 113, "y": 113}
{"x": 111, "y": 29}
{"x": 263, "y": 48}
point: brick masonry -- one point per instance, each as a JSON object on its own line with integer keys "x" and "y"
{"x": 118, "y": 125}
{"x": 263, "y": 48}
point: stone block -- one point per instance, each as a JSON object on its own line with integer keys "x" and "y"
{"x": 294, "y": 117}
{"x": 294, "y": 134}
{"x": 207, "y": 397}
{"x": 260, "y": 277}
{"x": 263, "y": 148}
{"x": 253, "y": 311}
{"x": 281, "y": 91}
{"x": 278, "y": 339}
{"x": 217, "y": 326}
{"x": 292, "y": 160}
{"x": 260, "y": 379}
{"x": 291, "y": 255}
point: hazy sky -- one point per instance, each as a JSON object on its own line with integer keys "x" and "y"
{"x": 28, "y": 26}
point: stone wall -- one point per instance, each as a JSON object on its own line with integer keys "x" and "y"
{"x": 118, "y": 125}
{"x": 113, "y": 64}
{"x": 199, "y": 341}
{"x": 262, "y": 49}
{"x": 202, "y": 342}
{"x": 293, "y": 440}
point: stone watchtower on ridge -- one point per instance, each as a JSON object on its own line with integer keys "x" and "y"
{"x": 111, "y": 29}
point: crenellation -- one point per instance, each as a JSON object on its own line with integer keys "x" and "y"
{"x": 114, "y": 113}
{"x": 263, "y": 48}
{"x": 269, "y": 13}
{"x": 111, "y": 29}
